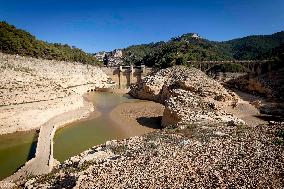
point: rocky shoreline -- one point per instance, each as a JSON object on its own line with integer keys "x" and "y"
{"x": 194, "y": 154}
{"x": 198, "y": 156}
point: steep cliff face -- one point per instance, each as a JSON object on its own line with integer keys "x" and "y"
{"x": 189, "y": 96}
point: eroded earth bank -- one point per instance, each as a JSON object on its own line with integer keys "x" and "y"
{"x": 38, "y": 90}
{"x": 211, "y": 138}
{"x": 43, "y": 94}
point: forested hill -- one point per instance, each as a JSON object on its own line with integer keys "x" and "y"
{"x": 254, "y": 47}
{"x": 17, "y": 41}
{"x": 177, "y": 50}
{"x": 188, "y": 47}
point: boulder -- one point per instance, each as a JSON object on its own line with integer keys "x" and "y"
{"x": 189, "y": 96}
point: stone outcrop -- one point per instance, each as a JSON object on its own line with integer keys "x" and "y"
{"x": 189, "y": 96}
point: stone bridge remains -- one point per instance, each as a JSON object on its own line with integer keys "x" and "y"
{"x": 124, "y": 76}
{"x": 252, "y": 67}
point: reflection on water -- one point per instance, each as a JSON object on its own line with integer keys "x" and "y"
{"x": 15, "y": 150}
{"x": 79, "y": 136}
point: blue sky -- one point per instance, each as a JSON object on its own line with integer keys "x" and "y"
{"x": 105, "y": 25}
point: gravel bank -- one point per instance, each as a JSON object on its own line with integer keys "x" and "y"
{"x": 195, "y": 157}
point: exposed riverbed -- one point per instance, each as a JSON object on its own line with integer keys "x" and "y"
{"x": 103, "y": 125}
{"x": 116, "y": 116}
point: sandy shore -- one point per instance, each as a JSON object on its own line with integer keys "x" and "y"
{"x": 245, "y": 110}
{"x": 131, "y": 116}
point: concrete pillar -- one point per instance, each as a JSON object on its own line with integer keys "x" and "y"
{"x": 258, "y": 69}
{"x": 119, "y": 76}
{"x": 131, "y": 74}
{"x": 269, "y": 70}
{"x": 143, "y": 69}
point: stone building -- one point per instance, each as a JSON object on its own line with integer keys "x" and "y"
{"x": 113, "y": 58}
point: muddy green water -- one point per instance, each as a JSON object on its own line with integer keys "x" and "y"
{"x": 15, "y": 150}
{"x": 80, "y": 136}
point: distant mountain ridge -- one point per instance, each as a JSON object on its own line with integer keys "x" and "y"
{"x": 189, "y": 47}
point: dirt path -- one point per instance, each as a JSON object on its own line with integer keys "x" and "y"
{"x": 245, "y": 111}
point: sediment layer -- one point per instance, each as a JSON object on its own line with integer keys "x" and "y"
{"x": 34, "y": 90}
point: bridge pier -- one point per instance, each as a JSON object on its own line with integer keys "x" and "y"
{"x": 143, "y": 69}
{"x": 131, "y": 75}
{"x": 269, "y": 70}
{"x": 258, "y": 69}
{"x": 126, "y": 75}
{"x": 120, "y": 73}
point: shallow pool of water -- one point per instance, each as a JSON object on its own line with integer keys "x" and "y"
{"x": 15, "y": 150}
{"x": 79, "y": 136}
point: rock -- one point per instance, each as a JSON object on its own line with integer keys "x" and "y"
{"x": 189, "y": 96}
{"x": 7, "y": 184}
{"x": 95, "y": 157}
{"x": 56, "y": 163}
{"x": 256, "y": 103}
{"x": 111, "y": 143}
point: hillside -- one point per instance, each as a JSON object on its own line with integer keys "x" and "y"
{"x": 187, "y": 47}
{"x": 174, "y": 52}
{"x": 254, "y": 47}
{"x": 42, "y": 88}
{"x": 17, "y": 41}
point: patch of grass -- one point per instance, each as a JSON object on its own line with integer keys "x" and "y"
{"x": 203, "y": 132}
{"x": 23, "y": 69}
{"x": 45, "y": 178}
{"x": 118, "y": 150}
{"x": 241, "y": 129}
{"x": 84, "y": 166}
{"x": 279, "y": 140}
{"x": 280, "y": 133}
{"x": 152, "y": 145}
{"x": 171, "y": 127}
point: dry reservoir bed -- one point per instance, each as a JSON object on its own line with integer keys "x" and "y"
{"x": 114, "y": 120}
{"x": 116, "y": 116}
